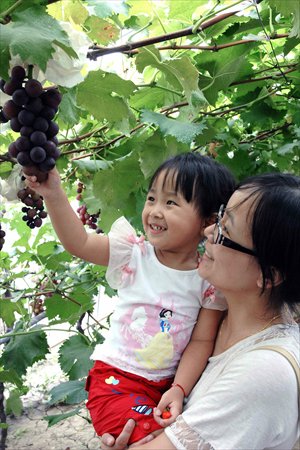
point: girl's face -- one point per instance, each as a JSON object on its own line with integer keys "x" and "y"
{"x": 227, "y": 269}
{"x": 170, "y": 222}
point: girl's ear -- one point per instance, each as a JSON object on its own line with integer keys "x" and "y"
{"x": 277, "y": 279}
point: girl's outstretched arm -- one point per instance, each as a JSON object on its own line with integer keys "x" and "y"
{"x": 68, "y": 227}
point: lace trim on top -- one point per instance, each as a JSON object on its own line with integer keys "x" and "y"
{"x": 185, "y": 438}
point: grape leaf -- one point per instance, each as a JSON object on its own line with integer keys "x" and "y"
{"x": 96, "y": 94}
{"x": 70, "y": 392}
{"x": 72, "y": 11}
{"x": 14, "y": 403}
{"x": 53, "y": 419}
{"x": 8, "y": 308}
{"x": 69, "y": 113}
{"x": 22, "y": 351}
{"x": 101, "y": 31}
{"x": 107, "y": 8}
{"x": 183, "y": 131}
{"x": 113, "y": 188}
{"x": 74, "y": 357}
{"x": 31, "y": 35}
{"x": 286, "y": 8}
{"x": 154, "y": 151}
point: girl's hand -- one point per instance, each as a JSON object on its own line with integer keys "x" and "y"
{"x": 49, "y": 187}
{"x": 108, "y": 442}
{"x": 169, "y": 407}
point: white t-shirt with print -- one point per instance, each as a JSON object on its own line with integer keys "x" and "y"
{"x": 246, "y": 399}
{"x": 156, "y": 310}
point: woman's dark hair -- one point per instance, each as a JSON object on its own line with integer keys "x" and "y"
{"x": 200, "y": 180}
{"x": 276, "y": 233}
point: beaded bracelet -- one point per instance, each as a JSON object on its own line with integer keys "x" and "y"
{"x": 180, "y": 387}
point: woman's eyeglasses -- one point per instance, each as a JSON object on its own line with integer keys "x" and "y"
{"x": 220, "y": 239}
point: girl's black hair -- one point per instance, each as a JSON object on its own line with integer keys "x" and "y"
{"x": 200, "y": 180}
{"x": 276, "y": 233}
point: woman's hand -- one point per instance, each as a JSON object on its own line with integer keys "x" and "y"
{"x": 108, "y": 442}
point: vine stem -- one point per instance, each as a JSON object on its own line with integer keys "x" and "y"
{"x": 10, "y": 9}
{"x": 22, "y": 333}
{"x": 197, "y": 25}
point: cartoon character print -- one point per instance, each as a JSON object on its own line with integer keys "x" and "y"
{"x": 165, "y": 316}
{"x": 154, "y": 334}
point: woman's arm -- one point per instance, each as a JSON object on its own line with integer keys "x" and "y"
{"x": 67, "y": 225}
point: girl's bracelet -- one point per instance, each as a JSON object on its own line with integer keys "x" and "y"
{"x": 180, "y": 387}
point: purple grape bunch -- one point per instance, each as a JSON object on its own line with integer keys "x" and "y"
{"x": 34, "y": 210}
{"x": 31, "y": 111}
{"x": 2, "y": 236}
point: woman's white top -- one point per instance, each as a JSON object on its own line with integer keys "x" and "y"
{"x": 245, "y": 399}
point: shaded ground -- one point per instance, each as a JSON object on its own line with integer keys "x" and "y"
{"x": 31, "y": 432}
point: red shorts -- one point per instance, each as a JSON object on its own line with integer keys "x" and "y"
{"x": 116, "y": 396}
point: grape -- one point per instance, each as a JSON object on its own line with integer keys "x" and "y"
{"x": 41, "y": 124}
{"x": 11, "y": 109}
{"x": 33, "y": 88}
{"x": 24, "y": 159}
{"x": 12, "y": 150}
{"x": 11, "y": 86}
{"x": 3, "y": 118}
{"x": 34, "y": 212}
{"x": 47, "y": 165}
{"x": 37, "y": 154}
{"x": 47, "y": 112}
{"x": 26, "y": 117}
{"x": 54, "y": 139}
{"x": 34, "y": 105}
{"x": 2, "y": 83}
{"x": 15, "y": 125}
{"x": 23, "y": 144}
{"x": 52, "y": 130}
{"x": 18, "y": 73}
{"x": 38, "y": 138}
{"x": 26, "y": 131}
{"x": 2, "y": 235}
{"x": 52, "y": 98}
{"x": 20, "y": 97}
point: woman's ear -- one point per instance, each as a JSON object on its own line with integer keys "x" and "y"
{"x": 276, "y": 276}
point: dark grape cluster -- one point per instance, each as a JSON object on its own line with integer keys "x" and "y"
{"x": 34, "y": 211}
{"x": 2, "y": 235}
{"x": 86, "y": 218}
{"x": 37, "y": 306}
{"x": 30, "y": 112}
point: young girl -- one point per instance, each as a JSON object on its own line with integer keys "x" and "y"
{"x": 165, "y": 313}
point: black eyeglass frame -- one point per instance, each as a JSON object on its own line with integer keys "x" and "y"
{"x": 222, "y": 240}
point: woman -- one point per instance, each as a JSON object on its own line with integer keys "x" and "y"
{"x": 247, "y": 396}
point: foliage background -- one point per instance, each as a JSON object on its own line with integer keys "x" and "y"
{"x": 141, "y": 80}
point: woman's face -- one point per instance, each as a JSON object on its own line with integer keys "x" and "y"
{"x": 227, "y": 269}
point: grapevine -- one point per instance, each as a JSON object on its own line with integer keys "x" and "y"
{"x": 30, "y": 112}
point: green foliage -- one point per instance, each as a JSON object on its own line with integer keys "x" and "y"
{"x": 230, "y": 89}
